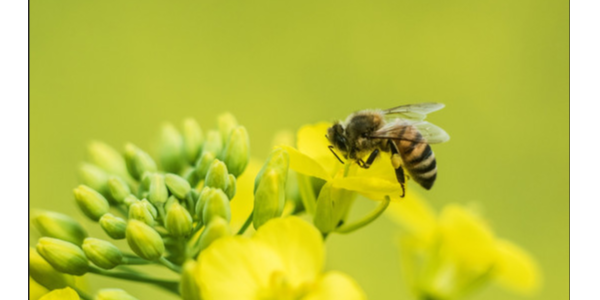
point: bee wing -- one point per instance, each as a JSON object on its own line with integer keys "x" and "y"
{"x": 430, "y": 133}
{"x": 414, "y": 111}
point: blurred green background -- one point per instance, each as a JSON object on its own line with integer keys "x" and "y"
{"x": 114, "y": 70}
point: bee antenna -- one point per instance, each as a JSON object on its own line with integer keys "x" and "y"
{"x": 332, "y": 151}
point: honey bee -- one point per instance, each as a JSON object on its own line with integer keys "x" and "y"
{"x": 400, "y": 131}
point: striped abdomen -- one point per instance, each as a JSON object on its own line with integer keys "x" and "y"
{"x": 417, "y": 157}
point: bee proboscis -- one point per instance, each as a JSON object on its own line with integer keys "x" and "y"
{"x": 400, "y": 131}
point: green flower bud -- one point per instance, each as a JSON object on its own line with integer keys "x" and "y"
{"x": 118, "y": 188}
{"x": 226, "y": 123}
{"x": 215, "y": 229}
{"x": 332, "y": 207}
{"x": 170, "y": 202}
{"x": 63, "y": 256}
{"x": 216, "y": 204}
{"x": 43, "y": 273}
{"x": 102, "y": 253}
{"x": 231, "y": 186}
{"x": 269, "y": 198}
{"x": 153, "y": 211}
{"x": 113, "y": 294}
{"x": 107, "y": 158}
{"x": 279, "y": 161}
{"x": 178, "y": 221}
{"x": 158, "y": 193}
{"x": 131, "y": 199}
{"x": 217, "y": 176}
{"x": 144, "y": 240}
{"x": 171, "y": 149}
{"x": 191, "y": 176}
{"x": 92, "y": 203}
{"x": 192, "y": 140}
{"x": 60, "y": 227}
{"x": 213, "y": 143}
{"x": 138, "y": 161}
{"x": 204, "y": 163}
{"x": 237, "y": 152}
{"x": 177, "y": 185}
{"x": 139, "y": 211}
{"x": 188, "y": 286}
{"x": 202, "y": 198}
{"x": 191, "y": 198}
{"x": 94, "y": 177}
{"x": 113, "y": 226}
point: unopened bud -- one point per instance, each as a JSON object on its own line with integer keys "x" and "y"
{"x": 237, "y": 152}
{"x": 153, "y": 211}
{"x": 138, "y": 161}
{"x": 144, "y": 240}
{"x": 94, "y": 177}
{"x": 107, "y": 158}
{"x": 216, "y": 228}
{"x": 278, "y": 161}
{"x": 92, "y": 203}
{"x": 226, "y": 123}
{"x": 113, "y": 226}
{"x": 157, "y": 193}
{"x": 59, "y": 226}
{"x": 178, "y": 221}
{"x": 63, "y": 256}
{"x": 192, "y": 140}
{"x": 217, "y": 175}
{"x": 171, "y": 148}
{"x": 61, "y": 294}
{"x": 191, "y": 199}
{"x": 177, "y": 185}
{"x": 139, "y": 211}
{"x": 131, "y": 199}
{"x": 102, "y": 253}
{"x": 188, "y": 286}
{"x": 231, "y": 186}
{"x": 269, "y": 198}
{"x": 118, "y": 188}
{"x": 113, "y": 294}
{"x": 43, "y": 273}
{"x": 202, "y": 198}
{"x": 204, "y": 163}
{"x": 213, "y": 143}
{"x": 217, "y": 204}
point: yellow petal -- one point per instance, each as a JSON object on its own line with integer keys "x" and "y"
{"x": 300, "y": 246}
{"x": 61, "y": 294}
{"x": 306, "y": 165}
{"x": 516, "y": 269}
{"x": 36, "y": 290}
{"x": 312, "y": 142}
{"x": 372, "y": 187}
{"x": 243, "y": 201}
{"x": 336, "y": 285}
{"x": 415, "y": 215}
{"x": 236, "y": 268}
{"x": 467, "y": 239}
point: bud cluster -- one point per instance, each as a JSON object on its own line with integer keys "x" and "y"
{"x": 168, "y": 209}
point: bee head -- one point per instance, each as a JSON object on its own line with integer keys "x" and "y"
{"x": 337, "y": 137}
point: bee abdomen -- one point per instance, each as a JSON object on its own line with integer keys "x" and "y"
{"x": 421, "y": 165}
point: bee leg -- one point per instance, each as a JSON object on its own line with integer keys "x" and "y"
{"x": 401, "y": 179}
{"x": 397, "y": 164}
{"x": 336, "y": 156}
{"x": 365, "y": 165}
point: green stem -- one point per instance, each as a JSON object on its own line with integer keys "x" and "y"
{"x": 173, "y": 267}
{"x": 366, "y": 219}
{"x": 132, "y": 260}
{"x": 306, "y": 194}
{"x": 81, "y": 293}
{"x": 172, "y": 286}
{"x": 246, "y": 224}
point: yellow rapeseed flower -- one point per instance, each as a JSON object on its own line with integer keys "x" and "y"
{"x": 283, "y": 260}
{"x": 450, "y": 255}
{"x": 313, "y": 158}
